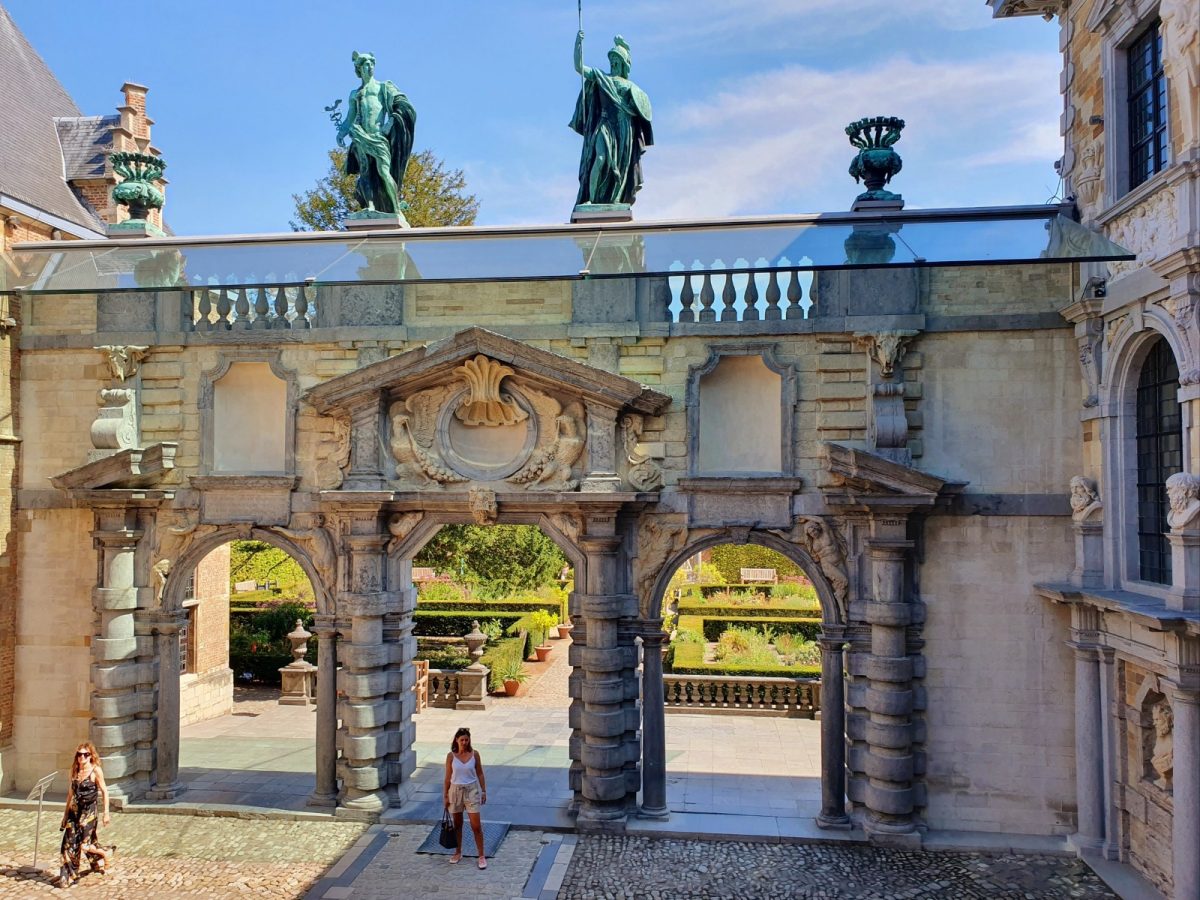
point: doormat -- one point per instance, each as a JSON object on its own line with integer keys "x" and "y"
{"x": 493, "y": 835}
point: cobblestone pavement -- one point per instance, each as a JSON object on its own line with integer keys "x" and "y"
{"x": 397, "y": 870}
{"x": 181, "y": 856}
{"x": 630, "y": 867}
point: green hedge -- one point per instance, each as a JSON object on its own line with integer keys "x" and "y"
{"x": 441, "y": 623}
{"x": 688, "y": 659}
{"x": 509, "y": 648}
{"x": 739, "y": 612}
{"x": 809, "y": 629}
{"x": 487, "y": 607}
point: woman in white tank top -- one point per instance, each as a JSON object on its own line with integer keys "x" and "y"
{"x": 465, "y": 790}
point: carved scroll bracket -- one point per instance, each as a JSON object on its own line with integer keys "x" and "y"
{"x": 887, "y": 424}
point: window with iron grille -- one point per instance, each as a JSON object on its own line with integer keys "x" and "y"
{"x": 1147, "y": 99}
{"x": 1159, "y": 456}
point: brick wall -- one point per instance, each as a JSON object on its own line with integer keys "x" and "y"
{"x": 207, "y": 691}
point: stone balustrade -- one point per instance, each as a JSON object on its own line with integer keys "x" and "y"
{"x": 740, "y": 297}
{"x": 249, "y": 309}
{"x": 443, "y": 688}
{"x": 792, "y": 697}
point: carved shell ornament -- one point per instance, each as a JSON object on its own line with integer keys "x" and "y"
{"x": 485, "y": 405}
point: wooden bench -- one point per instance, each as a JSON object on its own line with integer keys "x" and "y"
{"x": 767, "y": 576}
{"x": 421, "y": 687}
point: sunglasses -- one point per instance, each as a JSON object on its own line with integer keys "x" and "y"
{"x": 82, "y": 754}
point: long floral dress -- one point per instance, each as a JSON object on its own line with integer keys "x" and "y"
{"x": 79, "y": 836}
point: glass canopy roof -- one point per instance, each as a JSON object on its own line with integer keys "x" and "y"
{"x": 1011, "y": 235}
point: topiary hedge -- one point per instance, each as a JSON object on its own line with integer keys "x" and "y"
{"x": 488, "y": 607}
{"x": 688, "y": 659}
{"x": 443, "y": 623}
{"x": 739, "y": 612}
{"x": 809, "y": 629}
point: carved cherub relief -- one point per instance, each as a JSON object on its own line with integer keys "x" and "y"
{"x": 644, "y": 473}
{"x": 560, "y": 443}
{"x": 821, "y": 543}
{"x": 333, "y": 456}
{"x": 657, "y": 542}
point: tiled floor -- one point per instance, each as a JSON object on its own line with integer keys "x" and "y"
{"x": 727, "y": 765}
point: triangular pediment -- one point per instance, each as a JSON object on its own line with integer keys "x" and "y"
{"x": 860, "y": 477}
{"x": 431, "y": 365}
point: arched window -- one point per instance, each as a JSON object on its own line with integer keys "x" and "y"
{"x": 1159, "y": 456}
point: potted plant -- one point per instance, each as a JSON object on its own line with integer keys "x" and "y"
{"x": 511, "y": 673}
{"x": 564, "y": 629}
{"x": 564, "y": 620}
{"x": 540, "y": 623}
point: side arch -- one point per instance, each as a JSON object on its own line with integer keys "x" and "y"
{"x": 172, "y": 599}
{"x": 831, "y": 612}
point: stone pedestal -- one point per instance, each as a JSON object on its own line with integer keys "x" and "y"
{"x": 369, "y": 220}
{"x": 1089, "y": 554}
{"x": 472, "y": 687}
{"x": 1185, "y": 568}
{"x": 299, "y": 677}
{"x": 1185, "y": 838}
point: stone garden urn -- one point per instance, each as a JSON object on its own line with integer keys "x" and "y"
{"x": 299, "y": 676}
{"x": 876, "y": 161}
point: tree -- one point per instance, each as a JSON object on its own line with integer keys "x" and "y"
{"x": 435, "y": 195}
{"x": 498, "y": 559}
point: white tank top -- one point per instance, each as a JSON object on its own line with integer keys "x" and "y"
{"x": 463, "y": 772}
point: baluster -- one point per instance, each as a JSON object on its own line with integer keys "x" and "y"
{"x": 224, "y": 306}
{"x": 302, "y": 319}
{"x": 281, "y": 309}
{"x": 687, "y": 297}
{"x": 198, "y": 316}
{"x": 728, "y": 298}
{"x": 262, "y": 310}
{"x": 751, "y": 312}
{"x": 706, "y": 299}
{"x": 773, "y": 294}
{"x": 241, "y": 309}
{"x": 794, "y": 296}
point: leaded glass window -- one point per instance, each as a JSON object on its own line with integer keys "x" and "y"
{"x": 1147, "y": 107}
{"x": 1159, "y": 456}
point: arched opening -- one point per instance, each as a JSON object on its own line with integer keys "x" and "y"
{"x": 754, "y": 645}
{"x": 515, "y": 581}
{"x": 237, "y": 705}
{"x": 1159, "y": 455}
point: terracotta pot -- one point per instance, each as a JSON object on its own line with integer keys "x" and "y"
{"x": 564, "y": 630}
{"x": 542, "y": 652}
{"x": 511, "y": 688}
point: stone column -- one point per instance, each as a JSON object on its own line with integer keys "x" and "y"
{"x": 325, "y": 793}
{"x": 369, "y": 734}
{"x": 654, "y": 730}
{"x": 601, "y": 450}
{"x": 1185, "y": 826}
{"x": 889, "y": 795}
{"x": 1109, "y": 699}
{"x": 1089, "y": 732}
{"x": 121, "y": 726}
{"x": 166, "y": 767}
{"x": 833, "y": 732}
{"x": 609, "y": 684}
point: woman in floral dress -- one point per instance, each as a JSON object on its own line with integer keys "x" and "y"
{"x": 79, "y": 824}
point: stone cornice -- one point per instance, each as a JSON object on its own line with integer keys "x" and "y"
{"x": 865, "y": 478}
{"x": 1011, "y": 9}
{"x": 424, "y": 366}
{"x": 129, "y": 468}
{"x": 1149, "y": 611}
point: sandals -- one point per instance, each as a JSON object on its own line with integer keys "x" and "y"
{"x": 457, "y": 857}
{"x": 483, "y": 862}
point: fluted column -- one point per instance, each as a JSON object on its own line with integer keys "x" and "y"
{"x": 654, "y": 726}
{"x": 833, "y": 732}
{"x": 1185, "y": 705}
{"x": 121, "y": 726}
{"x": 325, "y": 793}
{"x": 166, "y": 628}
{"x": 889, "y": 795}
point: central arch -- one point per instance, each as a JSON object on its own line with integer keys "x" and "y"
{"x": 834, "y": 616}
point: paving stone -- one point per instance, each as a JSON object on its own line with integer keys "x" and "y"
{"x": 633, "y": 867}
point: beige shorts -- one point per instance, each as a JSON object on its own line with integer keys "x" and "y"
{"x": 464, "y": 798}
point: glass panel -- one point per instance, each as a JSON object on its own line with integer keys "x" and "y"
{"x": 441, "y": 255}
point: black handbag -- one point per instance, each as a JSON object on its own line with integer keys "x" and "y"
{"x": 447, "y": 836}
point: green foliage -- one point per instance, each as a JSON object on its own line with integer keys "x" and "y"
{"x": 435, "y": 594}
{"x": 435, "y": 195}
{"x": 505, "y": 657}
{"x": 707, "y": 573}
{"x": 439, "y": 623}
{"x": 497, "y": 560}
{"x": 510, "y": 670}
{"x": 793, "y": 649}
{"x": 488, "y": 607}
{"x": 540, "y": 622}
{"x": 730, "y": 559}
{"x": 793, "y": 589}
{"x": 258, "y": 561}
{"x": 733, "y": 612}
{"x": 445, "y": 657}
{"x": 258, "y": 644}
{"x": 745, "y": 647}
{"x": 493, "y": 629}
{"x": 688, "y": 659}
{"x": 809, "y": 629}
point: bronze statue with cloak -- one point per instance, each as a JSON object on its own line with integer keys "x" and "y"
{"x": 613, "y": 116}
{"x": 380, "y": 122}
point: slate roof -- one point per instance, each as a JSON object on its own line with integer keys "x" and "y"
{"x": 31, "y": 159}
{"x": 86, "y": 142}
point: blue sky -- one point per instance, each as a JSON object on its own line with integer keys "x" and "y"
{"x": 750, "y": 97}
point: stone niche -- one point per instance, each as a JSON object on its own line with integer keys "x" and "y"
{"x": 249, "y": 420}
{"x": 1145, "y": 792}
{"x": 739, "y": 406}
